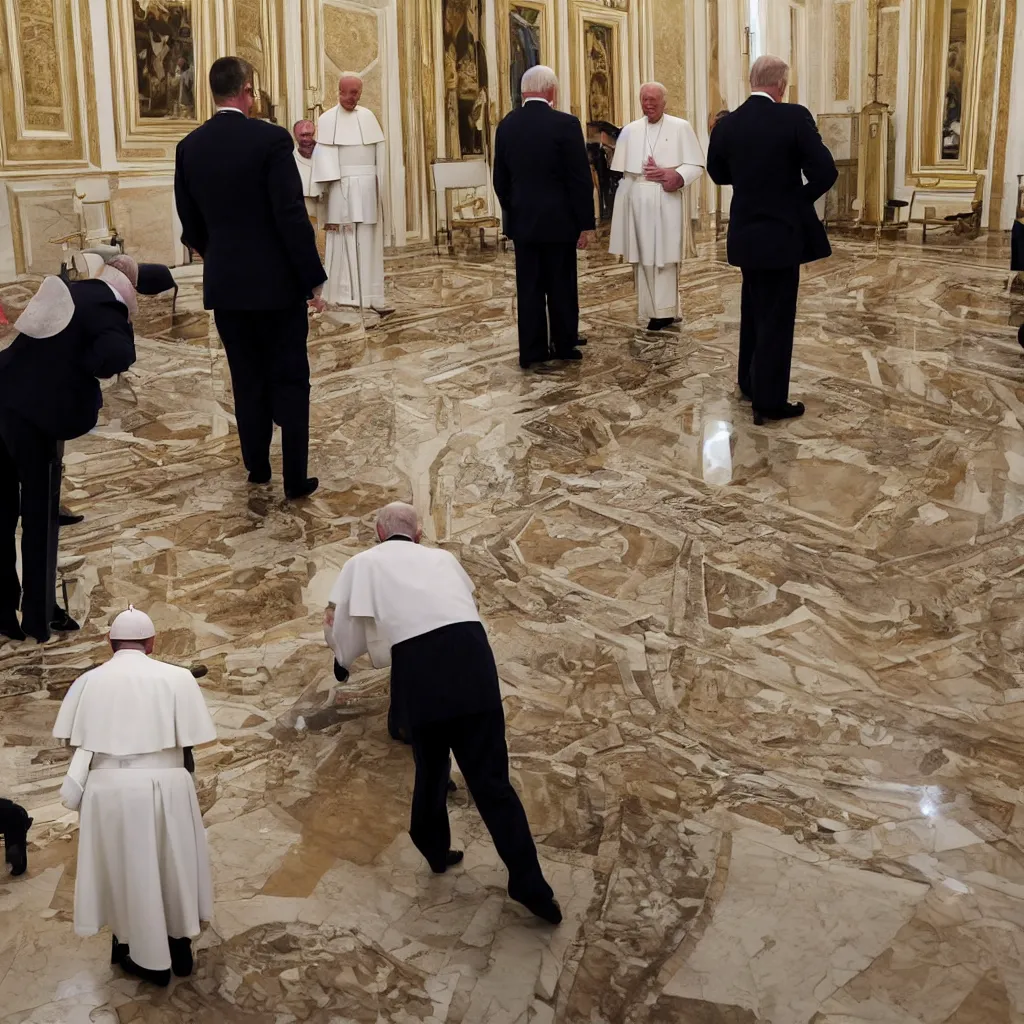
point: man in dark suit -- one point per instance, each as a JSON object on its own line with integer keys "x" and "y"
{"x": 542, "y": 179}
{"x": 68, "y": 336}
{"x": 240, "y": 201}
{"x": 761, "y": 150}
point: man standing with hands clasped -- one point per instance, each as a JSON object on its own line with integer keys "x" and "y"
{"x": 543, "y": 182}
{"x": 764, "y": 150}
{"x": 241, "y": 204}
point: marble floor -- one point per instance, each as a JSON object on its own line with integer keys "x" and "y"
{"x": 767, "y": 730}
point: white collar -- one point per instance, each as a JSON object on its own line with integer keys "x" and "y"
{"x": 117, "y": 294}
{"x": 535, "y": 99}
{"x": 229, "y": 110}
{"x": 757, "y": 92}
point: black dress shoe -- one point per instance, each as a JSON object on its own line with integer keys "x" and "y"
{"x": 181, "y": 957}
{"x": 546, "y": 909}
{"x": 581, "y": 339}
{"x": 161, "y": 978}
{"x": 63, "y": 623}
{"x": 11, "y": 628}
{"x": 68, "y": 518}
{"x": 745, "y": 395}
{"x": 529, "y": 364}
{"x": 259, "y": 478}
{"x": 16, "y": 854}
{"x": 571, "y": 355}
{"x": 451, "y": 858}
{"x": 303, "y": 490}
{"x": 659, "y": 323}
{"x": 784, "y": 412}
{"x": 118, "y": 951}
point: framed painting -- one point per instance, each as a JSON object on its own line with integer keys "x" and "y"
{"x": 465, "y": 88}
{"x": 159, "y": 63}
{"x": 526, "y": 38}
{"x": 601, "y": 64}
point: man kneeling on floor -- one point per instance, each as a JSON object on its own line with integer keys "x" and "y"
{"x": 143, "y": 866}
{"x": 444, "y": 678}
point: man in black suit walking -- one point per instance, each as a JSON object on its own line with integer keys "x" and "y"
{"x": 542, "y": 179}
{"x": 761, "y": 150}
{"x": 240, "y": 201}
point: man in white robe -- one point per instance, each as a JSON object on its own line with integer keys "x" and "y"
{"x": 143, "y": 865}
{"x": 658, "y": 156}
{"x": 304, "y": 133}
{"x": 349, "y": 163}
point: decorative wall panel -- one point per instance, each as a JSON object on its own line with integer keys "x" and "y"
{"x": 526, "y": 37}
{"x": 888, "y": 55}
{"x": 602, "y": 71}
{"x": 159, "y": 55}
{"x": 352, "y": 42}
{"x": 841, "y": 51}
{"x": 42, "y": 115}
{"x": 669, "y": 17}
{"x": 254, "y": 34}
{"x": 467, "y": 127}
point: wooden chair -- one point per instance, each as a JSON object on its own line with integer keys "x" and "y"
{"x": 449, "y": 176}
{"x": 963, "y": 222}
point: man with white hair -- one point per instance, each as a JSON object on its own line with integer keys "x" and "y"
{"x": 658, "y": 156}
{"x": 413, "y": 606}
{"x": 143, "y": 866}
{"x": 765, "y": 149}
{"x": 542, "y": 179}
{"x": 349, "y": 162}
{"x": 304, "y": 133}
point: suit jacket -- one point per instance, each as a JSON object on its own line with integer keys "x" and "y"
{"x": 52, "y": 382}
{"x": 241, "y": 205}
{"x": 542, "y": 175}
{"x": 760, "y": 149}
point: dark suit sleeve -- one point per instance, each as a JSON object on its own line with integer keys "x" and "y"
{"x": 718, "y": 162}
{"x": 289, "y": 210}
{"x": 578, "y": 176}
{"x": 193, "y": 227}
{"x": 111, "y": 345}
{"x": 502, "y": 178}
{"x": 815, "y": 160}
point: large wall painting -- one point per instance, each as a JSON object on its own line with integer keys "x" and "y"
{"x": 599, "y": 77}
{"x": 465, "y": 79}
{"x": 956, "y": 59}
{"x": 165, "y": 59}
{"x": 526, "y": 46}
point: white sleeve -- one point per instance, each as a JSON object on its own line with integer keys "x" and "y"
{"x": 192, "y": 722}
{"x": 348, "y": 635}
{"x": 73, "y": 787}
{"x": 619, "y": 156}
{"x": 335, "y": 203}
{"x": 694, "y": 162}
{"x": 689, "y": 173}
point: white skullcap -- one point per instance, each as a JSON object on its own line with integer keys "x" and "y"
{"x": 132, "y": 625}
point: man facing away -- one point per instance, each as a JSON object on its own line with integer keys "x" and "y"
{"x": 658, "y": 156}
{"x": 304, "y": 133}
{"x": 349, "y": 162}
{"x": 418, "y": 602}
{"x": 143, "y": 866}
{"x": 543, "y": 182}
{"x": 240, "y": 201}
{"x": 68, "y": 336}
{"x": 761, "y": 149}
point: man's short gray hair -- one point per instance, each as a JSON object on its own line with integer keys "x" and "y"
{"x": 539, "y": 79}
{"x": 350, "y": 74}
{"x": 398, "y": 519}
{"x": 768, "y": 72}
{"x": 655, "y": 85}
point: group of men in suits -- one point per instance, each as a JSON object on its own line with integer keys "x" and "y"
{"x": 768, "y": 151}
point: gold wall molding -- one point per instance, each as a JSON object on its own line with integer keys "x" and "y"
{"x": 1002, "y": 118}
{"x": 41, "y": 79}
{"x": 255, "y": 32}
{"x": 841, "y": 25}
{"x": 599, "y": 33}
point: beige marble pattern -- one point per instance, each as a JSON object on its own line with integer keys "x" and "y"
{"x": 767, "y": 733}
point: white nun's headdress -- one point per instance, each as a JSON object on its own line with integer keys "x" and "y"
{"x": 49, "y": 311}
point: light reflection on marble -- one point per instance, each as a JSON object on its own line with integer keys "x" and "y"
{"x": 767, "y": 733}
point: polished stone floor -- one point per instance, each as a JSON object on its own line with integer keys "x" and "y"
{"x": 765, "y": 710}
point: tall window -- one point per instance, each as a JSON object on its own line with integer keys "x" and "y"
{"x": 754, "y": 21}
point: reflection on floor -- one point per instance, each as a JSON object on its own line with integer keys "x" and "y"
{"x": 768, "y": 734}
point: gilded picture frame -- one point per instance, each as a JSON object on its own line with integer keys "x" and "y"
{"x": 160, "y": 54}
{"x": 523, "y": 25}
{"x": 601, "y": 68}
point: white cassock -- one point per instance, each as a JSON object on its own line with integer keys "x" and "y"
{"x": 647, "y": 221}
{"x": 312, "y": 190}
{"x": 143, "y": 864}
{"x": 349, "y": 162}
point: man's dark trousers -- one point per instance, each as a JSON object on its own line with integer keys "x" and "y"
{"x": 266, "y": 351}
{"x": 478, "y": 743}
{"x": 30, "y": 472}
{"x": 548, "y": 299}
{"x": 767, "y": 320}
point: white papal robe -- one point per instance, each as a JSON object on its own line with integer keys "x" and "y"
{"x": 316, "y": 206}
{"x": 143, "y": 864}
{"x": 647, "y": 221}
{"x": 349, "y": 162}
